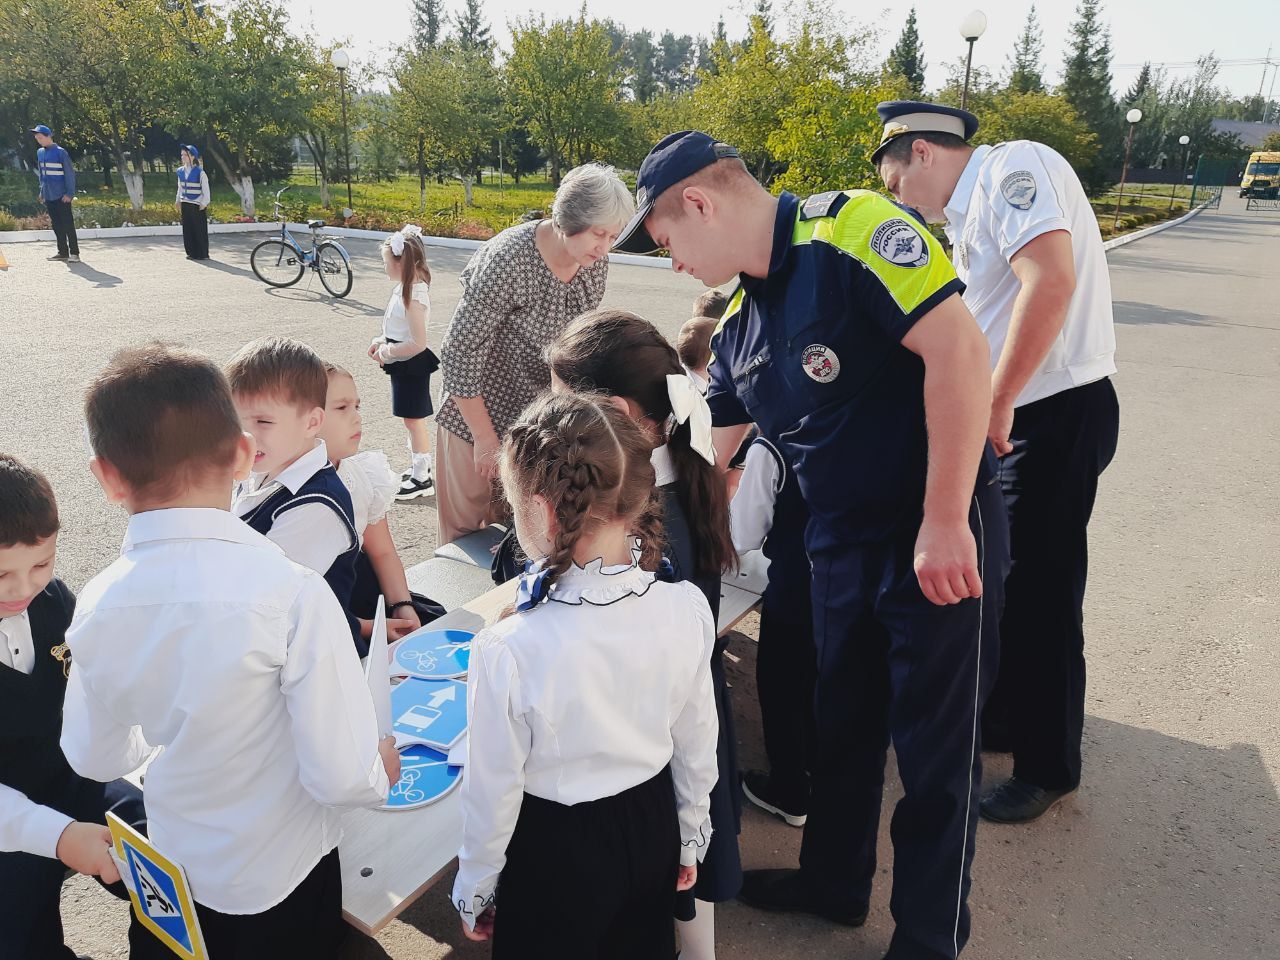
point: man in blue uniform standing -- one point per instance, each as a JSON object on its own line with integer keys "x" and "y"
{"x": 1028, "y": 248}
{"x": 848, "y": 342}
{"x": 57, "y": 190}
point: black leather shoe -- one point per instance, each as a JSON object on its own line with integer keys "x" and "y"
{"x": 1016, "y": 801}
{"x": 785, "y": 891}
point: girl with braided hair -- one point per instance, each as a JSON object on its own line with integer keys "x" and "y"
{"x": 628, "y": 358}
{"x": 592, "y": 721}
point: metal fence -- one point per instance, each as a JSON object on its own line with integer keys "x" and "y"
{"x": 1258, "y": 203}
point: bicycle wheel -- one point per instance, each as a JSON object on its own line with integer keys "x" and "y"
{"x": 334, "y": 270}
{"x": 276, "y": 263}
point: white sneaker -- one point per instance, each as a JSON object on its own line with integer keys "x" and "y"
{"x": 74, "y": 258}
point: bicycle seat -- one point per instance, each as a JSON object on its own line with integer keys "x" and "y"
{"x": 315, "y": 224}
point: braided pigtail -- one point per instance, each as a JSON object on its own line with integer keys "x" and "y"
{"x": 590, "y": 462}
{"x": 648, "y": 530}
{"x": 576, "y": 483}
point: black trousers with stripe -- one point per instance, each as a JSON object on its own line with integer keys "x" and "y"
{"x": 63, "y": 222}
{"x": 893, "y": 667}
{"x": 1061, "y": 446}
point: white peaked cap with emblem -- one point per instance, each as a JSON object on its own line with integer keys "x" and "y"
{"x": 916, "y": 116}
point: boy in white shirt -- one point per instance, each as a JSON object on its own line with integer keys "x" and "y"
{"x": 203, "y": 639}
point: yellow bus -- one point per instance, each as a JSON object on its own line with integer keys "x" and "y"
{"x": 1262, "y": 175}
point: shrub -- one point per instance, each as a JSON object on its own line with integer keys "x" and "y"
{"x": 8, "y": 221}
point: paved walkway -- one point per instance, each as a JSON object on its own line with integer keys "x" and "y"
{"x": 1172, "y": 847}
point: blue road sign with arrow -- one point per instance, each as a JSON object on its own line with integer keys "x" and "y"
{"x": 433, "y": 712}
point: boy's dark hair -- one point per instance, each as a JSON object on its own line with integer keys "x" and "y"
{"x": 28, "y": 510}
{"x": 163, "y": 417}
{"x": 899, "y": 149}
{"x": 712, "y": 304}
{"x": 693, "y": 343}
{"x": 282, "y": 368}
{"x": 623, "y": 355}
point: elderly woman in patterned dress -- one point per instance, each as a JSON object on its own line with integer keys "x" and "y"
{"x": 518, "y": 292}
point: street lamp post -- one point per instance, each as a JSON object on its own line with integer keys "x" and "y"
{"x": 1182, "y": 170}
{"x": 341, "y": 60}
{"x": 971, "y": 28}
{"x": 1133, "y": 116}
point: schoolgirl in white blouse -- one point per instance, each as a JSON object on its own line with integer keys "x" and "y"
{"x": 592, "y": 721}
{"x": 368, "y": 477}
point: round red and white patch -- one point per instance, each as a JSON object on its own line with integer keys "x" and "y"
{"x": 820, "y": 363}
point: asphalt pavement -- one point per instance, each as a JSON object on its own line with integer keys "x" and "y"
{"x": 1170, "y": 849}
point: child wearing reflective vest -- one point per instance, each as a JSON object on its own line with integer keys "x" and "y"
{"x": 192, "y": 200}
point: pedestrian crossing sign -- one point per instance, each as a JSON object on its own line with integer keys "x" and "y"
{"x": 158, "y": 888}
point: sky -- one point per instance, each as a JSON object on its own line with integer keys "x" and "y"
{"x": 1181, "y": 31}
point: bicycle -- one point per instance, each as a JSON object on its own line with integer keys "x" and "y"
{"x": 280, "y": 261}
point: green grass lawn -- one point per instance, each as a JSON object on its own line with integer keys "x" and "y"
{"x": 378, "y": 205}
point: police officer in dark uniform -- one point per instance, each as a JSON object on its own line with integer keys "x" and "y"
{"x": 849, "y": 343}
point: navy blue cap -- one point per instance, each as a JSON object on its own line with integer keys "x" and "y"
{"x": 915, "y": 116}
{"x": 676, "y": 157}
{"x": 41, "y": 128}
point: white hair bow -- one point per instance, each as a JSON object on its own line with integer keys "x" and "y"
{"x": 398, "y": 238}
{"x": 688, "y": 405}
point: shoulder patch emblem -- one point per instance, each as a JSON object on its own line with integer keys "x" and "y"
{"x": 1019, "y": 189}
{"x": 900, "y": 243}
{"x": 821, "y": 205}
{"x": 820, "y": 363}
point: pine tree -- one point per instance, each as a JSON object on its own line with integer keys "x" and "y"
{"x": 426, "y": 23}
{"x": 906, "y": 59}
{"x": 1086, "y": 85}
{"x": 1026, "y": 75}
{"x": 1141, "y": 84}
{"x": 473, "y": 32}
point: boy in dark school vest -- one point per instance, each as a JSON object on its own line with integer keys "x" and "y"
{"x": 294, "y": 497}
{"x": 50, "y": 818}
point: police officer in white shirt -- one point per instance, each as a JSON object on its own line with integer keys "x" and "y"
{"x": 1027, "y": 245}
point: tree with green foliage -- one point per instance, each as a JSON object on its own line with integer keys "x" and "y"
{"x": 1086, "y": 85}
{"x": 641, "y": 57}
{"x": 428, "y": 23}
{"x": 1042, "y": 117}
{"x": 1137, "y": 91}
{"x": 252, "y": 74}
{"x": 827, "y": 133}
{"x": 754, "y": 84}
{"x": 1026, "y": 73}
{"x": 906, "y": 59}
{"x": 379, "y": 146}
{"x": 322, "y": 129}
{"x": 101, "y": 65}
{"x": 448, "y": 96}
{"x": 1271, "y": 141}
{"x": 473, "y": 32}
{"x": 677, "y": 62}
{"x": 564, "y": 76}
